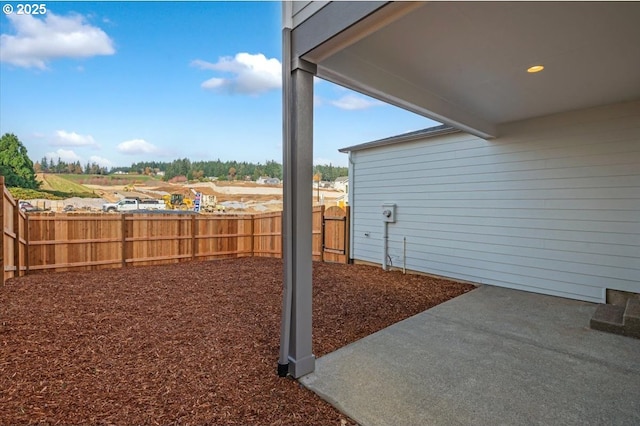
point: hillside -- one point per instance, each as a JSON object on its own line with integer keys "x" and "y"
{"x": 60, "y": 183}
{"x": 88, "y": 192}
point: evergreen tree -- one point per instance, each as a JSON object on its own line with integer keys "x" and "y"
{"x": 15, "y": 164}
{"x": 44, "y": 164}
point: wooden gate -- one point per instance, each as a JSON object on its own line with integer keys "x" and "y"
{"x": 335, "y": 227}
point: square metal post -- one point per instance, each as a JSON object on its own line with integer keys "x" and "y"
{"x": 296, "y": 338}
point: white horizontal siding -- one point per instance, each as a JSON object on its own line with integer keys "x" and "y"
{"x": 553, "y": 206}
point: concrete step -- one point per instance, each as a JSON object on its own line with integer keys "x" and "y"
{"x": 623, "y": 320}
{"x": 609, "y": 318}
{"x": 631, "y": 318}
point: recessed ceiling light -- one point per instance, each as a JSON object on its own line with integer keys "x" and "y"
{"x": 535, "y": 68}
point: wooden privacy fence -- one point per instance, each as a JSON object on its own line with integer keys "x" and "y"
{"x": 96, "y": 241}
{"x": 85, "y": 241}
{"x": 14, "y": 231}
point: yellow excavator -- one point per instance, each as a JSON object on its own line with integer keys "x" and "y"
{"x": 178, "y": 201}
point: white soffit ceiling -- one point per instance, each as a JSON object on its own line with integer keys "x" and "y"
{"x": 467, "y": 61}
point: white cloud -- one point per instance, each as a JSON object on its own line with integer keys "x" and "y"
{"x": 65, "y": 155}
{"x": 64, "y": 138}
{"x": 100, "y": 161}
{"x": 354, "y": 102}
{"x": 213, "y": 83}
{"x": 137, "y": 146}
{"x": 38, "y": 41}
{"x": 251, "y": 74}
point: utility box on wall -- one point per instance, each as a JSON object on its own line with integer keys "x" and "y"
{"x": 389, "y": 212}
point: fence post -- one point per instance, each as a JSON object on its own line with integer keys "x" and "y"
{"x": 193, "y": 237}
{"x": 347, "y": 235}
{"x": 16, "y": 244}
{"x": 27, "y": 238}
{"x": 322, "y": 233}
{"x": 253, "y": 227}
{"x": 123, "y": 231}
{"x": 2, "y": 229}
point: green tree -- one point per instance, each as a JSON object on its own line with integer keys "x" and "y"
{"x": 273, "y": 169}
{"x": 15, "y": 164}
{"x": 198, "y": 175}
{"x": 44, "y": 164}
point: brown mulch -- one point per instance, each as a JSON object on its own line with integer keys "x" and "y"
{"x": 189, "y": 343}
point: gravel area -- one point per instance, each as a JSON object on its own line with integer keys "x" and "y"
{"x": 239, "y": 189}
{"x": 79, "y": 203}
{"x": 189, "y": 343}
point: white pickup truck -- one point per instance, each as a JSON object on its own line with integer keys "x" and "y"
{"x": 130, "y": 204}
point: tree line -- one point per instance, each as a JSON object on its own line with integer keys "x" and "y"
{"x": 19, "y": 170}
{"x": 224, "y": 170}
{"x": 48, "y": 166}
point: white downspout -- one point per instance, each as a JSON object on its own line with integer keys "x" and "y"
{"x": 350, "y": 198}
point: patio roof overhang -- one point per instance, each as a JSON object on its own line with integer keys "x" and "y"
{"x": 462, "y": 64}
{"x": 465, "y": 63}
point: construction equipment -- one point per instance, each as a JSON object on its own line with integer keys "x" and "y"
{"x": 178, "y": 201}
{"x": 209, "y": 204}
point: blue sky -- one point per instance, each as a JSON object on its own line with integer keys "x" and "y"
{"x": 121, "y": 82}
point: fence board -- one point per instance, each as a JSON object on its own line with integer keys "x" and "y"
{"x": 267, "y": 234}
{"x": 78, "y": 242}
{"x": 317, "y": 240}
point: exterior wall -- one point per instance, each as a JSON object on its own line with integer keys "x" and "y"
{"x": 553, "y": 206}
{"x": 302, "y": 10}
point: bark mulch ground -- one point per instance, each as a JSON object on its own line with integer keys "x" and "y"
{"x": 189, "y": 343}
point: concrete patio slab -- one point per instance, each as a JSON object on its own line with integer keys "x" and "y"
{"x": 492, "y": 356}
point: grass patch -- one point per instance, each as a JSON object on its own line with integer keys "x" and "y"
{"x": 61, "y": 184}
{"x": 47, "y": 194}
{"x": 53, "y": 187}
{"x": 109, "y": 180}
